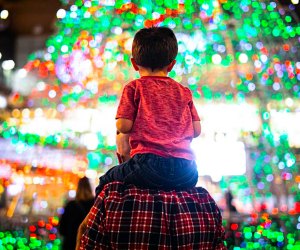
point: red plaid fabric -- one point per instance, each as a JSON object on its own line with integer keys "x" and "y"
{"x": 125, "y": 217}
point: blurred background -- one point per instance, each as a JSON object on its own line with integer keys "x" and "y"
{"x": 63, "y": 65}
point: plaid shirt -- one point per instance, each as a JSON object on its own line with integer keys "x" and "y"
{"x": 132, "y": 218}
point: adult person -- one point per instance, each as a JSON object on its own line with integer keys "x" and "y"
{"x": 126, "y": 217}
{"x": 74, "y": 213}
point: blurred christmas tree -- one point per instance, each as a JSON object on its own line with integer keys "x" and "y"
{"x": 229, "y": 52}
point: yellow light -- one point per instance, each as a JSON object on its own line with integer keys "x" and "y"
{"x": 4, "y": 14}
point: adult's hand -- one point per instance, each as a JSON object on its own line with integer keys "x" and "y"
{"x": 80, "y": 231}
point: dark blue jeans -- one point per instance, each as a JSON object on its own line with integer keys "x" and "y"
{"x": 153, "y": 171}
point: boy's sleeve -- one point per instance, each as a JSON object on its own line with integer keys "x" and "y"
{"x": 127, "y": 106}
{"x": 194, "y": 113}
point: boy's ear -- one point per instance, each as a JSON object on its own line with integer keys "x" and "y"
{"x": 135, "y": 66}
{"x": 171, "y": 65}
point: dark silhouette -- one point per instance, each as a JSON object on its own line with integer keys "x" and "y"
{"x": 229, "y": 198}
{"x": 74, "y": 213}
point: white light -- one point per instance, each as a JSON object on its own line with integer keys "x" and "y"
{"x": 117, "y": 30}
{"x": 14, "y": 189}
{"x": 26, "y": 113}
{"x": 61, "y": 13}
{"x": 243, "y": 58}
{"x": 72, "y": 193}
{"x": 189, "y": 60}
{"x": 77, "y": 89}
{"x": 4, "y": 14}
{"x": 205, "y": 6}
{"x": 90, "y": 173}
{"x": 90, "y": 140}
{"x": 87, "y": 66}
{"x": 73, "y": 8}
{"x": 107, "y": 54}
{"x": 218, "y": 159}
{"x": 8, "y": 64}
{"x": 0, "y": 55}
{"x": 264, "y": 58}
{"x": 36, "y": 180}
{"x": 295, "y": 1}
{"x": 289, "y": 102}
{"x": 287, "y": 123}
{"x": 38, "y": 112}
{"x": 108, "y": 161}
{"x": 51, "y": 49}
{"x": 92, "y": 86}
{"x": 41, "y": 86}
{"x": 257, "y": 64}
{"x": 276, "y": 86}
{"x": 64, "y": 48}
{"x": 128, "y": 44}
{"x": 217, "y": 59}
{"x": 44, "y": 204}
{"x": 73, "y": 14}
{"x": 251, "y": 86}
{"x": 60, "y": 107}
{"x": 155, "y": 15}
{"x": 87, "y": 4}
{"x": 3, "y": 102}
{"x": 47, "y": 56}
{"x": 22, "y": 73}
{"x": 87, "y": 14}
{"x": 52, "y": 93}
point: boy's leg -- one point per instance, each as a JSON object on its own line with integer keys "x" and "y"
{"x": 159, "y": 172}
{"x": 116, "y": 173}
{"x": 187, "y": 174}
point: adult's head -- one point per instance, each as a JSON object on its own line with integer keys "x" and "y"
{"x": 154, "y": 48}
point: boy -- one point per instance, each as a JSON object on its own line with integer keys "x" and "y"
{"x": 159, "y": 117}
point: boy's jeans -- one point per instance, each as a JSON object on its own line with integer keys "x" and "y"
{"x": 153, "y": 171}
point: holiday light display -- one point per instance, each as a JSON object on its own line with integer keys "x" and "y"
{"x": 231, "y": 53}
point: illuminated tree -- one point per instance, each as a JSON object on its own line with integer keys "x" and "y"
{"x": 229, "y": 52}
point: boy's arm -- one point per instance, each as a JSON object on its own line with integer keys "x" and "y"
{"x": 197, "y": 128}
{"x": 124, "y": 125}
{"x": 195, "y": 118}
{"x": 123, "y": 147}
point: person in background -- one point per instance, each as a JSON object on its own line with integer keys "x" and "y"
{"x": 159, "y": 117}
{"x": 229, "y": 199}
{"x": 74, "y": 213}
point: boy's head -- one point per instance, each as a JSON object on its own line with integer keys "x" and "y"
{"x": 154, "y": 48}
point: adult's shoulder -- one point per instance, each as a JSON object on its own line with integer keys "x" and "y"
{"x": 122, "y": 188}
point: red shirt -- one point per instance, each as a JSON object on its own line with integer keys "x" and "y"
{"x": 125, "y": 217}
{"x": 163, "y": 113}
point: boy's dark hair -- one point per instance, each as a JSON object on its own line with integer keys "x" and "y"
{"x": 154, "y": 47}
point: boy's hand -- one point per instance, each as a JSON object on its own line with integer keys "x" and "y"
{"x": 123, "y": 147}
